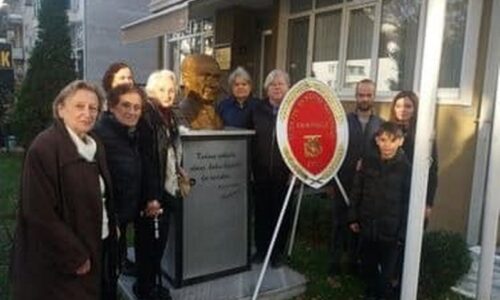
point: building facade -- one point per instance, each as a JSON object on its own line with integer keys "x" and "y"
{"x": 95, "y": 36}
{"x": 343, "y": 41}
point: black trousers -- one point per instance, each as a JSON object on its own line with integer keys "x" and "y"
{"x": 149, "y": 250}
{"x": 122, "y": 243}
{"x": 378, "y": 265}
{"x": 108, "y": 269}
{"x": 343, "y": 241}
{"x": 268, "y": 200}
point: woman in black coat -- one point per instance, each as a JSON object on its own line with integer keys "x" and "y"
{"x": 160, "y": 150}
{"x": 404, "y": 112}
{"x": 117, "y": 130}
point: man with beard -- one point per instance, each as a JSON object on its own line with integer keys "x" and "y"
{"x": 363, "y": 125}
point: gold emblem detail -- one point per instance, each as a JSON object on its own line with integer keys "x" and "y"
{"x": 312, "y": 146}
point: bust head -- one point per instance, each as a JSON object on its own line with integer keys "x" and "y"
{"x": 200, "y": 75}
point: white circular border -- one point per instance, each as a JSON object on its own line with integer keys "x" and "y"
{"x": 338, "y": 112}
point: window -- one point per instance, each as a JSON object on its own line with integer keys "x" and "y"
{"x": 343, "y": 41}
{"x": 197, "y": 38}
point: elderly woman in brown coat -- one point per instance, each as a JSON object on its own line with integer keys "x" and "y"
{"x": 66, "y": 226}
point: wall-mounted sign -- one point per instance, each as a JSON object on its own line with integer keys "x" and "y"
{"x": 223, "y": 57}
{"x": 312, "y": 132}
{"x": 5, "y": 56}
{"x": 6, "y": 68}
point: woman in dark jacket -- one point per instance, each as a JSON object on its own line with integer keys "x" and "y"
{"x": 66, "y": 234}
{"x": 236, "y": 110}
{"x": 160, "y": 150}
{"x": 404, "y": 112}
{"x": 117, "y": 130}
{"x": 270, "y": 172}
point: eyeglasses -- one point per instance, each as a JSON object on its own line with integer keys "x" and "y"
{"x": 130, "y": 106}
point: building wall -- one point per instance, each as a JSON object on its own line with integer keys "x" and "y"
{"x": 103, "y": 44}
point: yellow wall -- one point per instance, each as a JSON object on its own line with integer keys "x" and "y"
{"x": 456, "y": 142}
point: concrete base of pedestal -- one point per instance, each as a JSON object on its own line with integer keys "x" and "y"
{"x": 281, "y": 283}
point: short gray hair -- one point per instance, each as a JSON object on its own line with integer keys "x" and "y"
{"x": 71, "y": 89}
{"x": 272, "y": 76}
{"x": 156, "y": 78}
{"x": 241, "y": 73}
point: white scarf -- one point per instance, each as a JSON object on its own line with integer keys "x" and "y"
{"x": 87, "y": 149}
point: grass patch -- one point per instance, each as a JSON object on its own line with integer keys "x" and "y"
{"x": 10, "y": 170}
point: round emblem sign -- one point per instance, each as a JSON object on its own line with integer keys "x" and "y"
{"x": 312, "y": 132}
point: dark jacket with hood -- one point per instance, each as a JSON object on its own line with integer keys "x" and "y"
{"x": 380, "y": 197}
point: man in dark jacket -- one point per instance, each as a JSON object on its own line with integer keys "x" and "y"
{"x": 379, "y": 209}
{"x": 116, "y": 128}
{"x": 270, "y": 172}
{"x": 363, "y": 124}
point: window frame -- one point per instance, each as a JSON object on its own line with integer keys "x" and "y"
{"x": 461, "y": 95}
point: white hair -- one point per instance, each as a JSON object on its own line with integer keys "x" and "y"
{"x": 241, "y": 73}
{"x": 272, "y": 76}
{"x": 157, "y": 78}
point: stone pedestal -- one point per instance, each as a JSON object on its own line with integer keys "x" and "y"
{"x": 210, "y": 229}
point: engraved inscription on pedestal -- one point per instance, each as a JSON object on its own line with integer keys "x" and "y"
{"x": 214, "y": 224}
{"x": 214, "y": 227}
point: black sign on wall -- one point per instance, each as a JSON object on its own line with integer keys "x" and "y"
{"x": 6, "y": 68}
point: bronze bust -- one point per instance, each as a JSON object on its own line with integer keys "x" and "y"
{"x": 200, "y": 75}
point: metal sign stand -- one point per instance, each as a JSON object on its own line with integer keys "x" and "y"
{"x": 273, "y": 239}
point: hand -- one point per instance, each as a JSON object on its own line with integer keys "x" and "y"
{"x": 118, "y": 232}
{"x": 153, "y": 209}
{"x": 83, "y": 269}
{"x": 354, "y": 227}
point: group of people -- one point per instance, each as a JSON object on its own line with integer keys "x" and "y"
{"x": 90, "y": 175}
{"x": 376, "y": 174}
{"x": 113, "y": 160}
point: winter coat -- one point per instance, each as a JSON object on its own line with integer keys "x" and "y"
{"x": 360, "y": 144}
{"x": 267, "y": 163}
{"x": 409, "y": 147}
{"x": 235, "y": 114}
{"x": 124, "y": 164}
{"x": 155, "y": 137}
{"x": 380, "y": 197}
{"x": 59, "y": 221}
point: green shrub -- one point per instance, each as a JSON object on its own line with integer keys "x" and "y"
{"x": 445, "y": 259}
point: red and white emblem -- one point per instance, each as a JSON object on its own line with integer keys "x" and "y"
{"x": 312, "y": 132}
